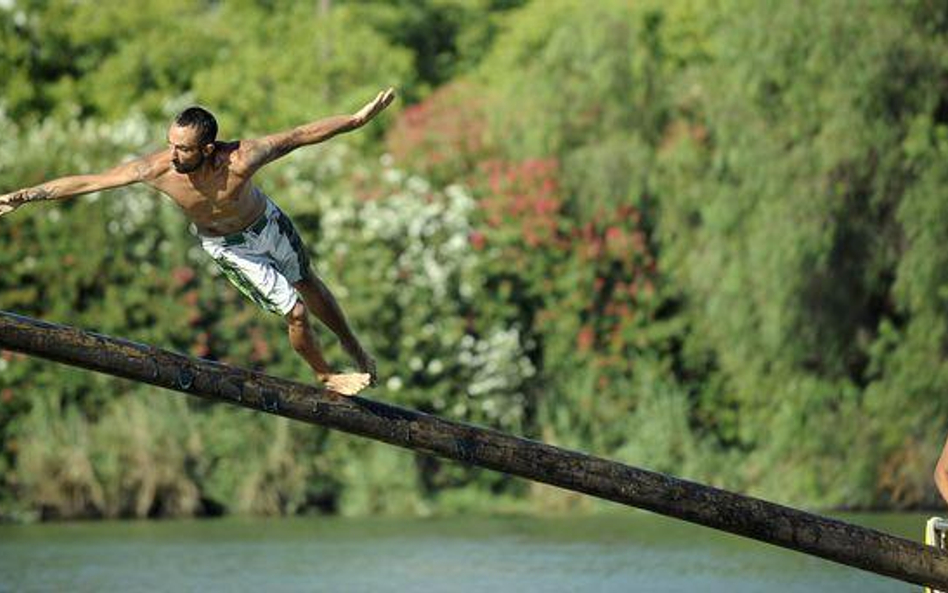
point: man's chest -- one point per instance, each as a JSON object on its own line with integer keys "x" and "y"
{"x": 210, "y": 193}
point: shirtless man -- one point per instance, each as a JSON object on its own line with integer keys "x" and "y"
{"x": 251, "y": 239}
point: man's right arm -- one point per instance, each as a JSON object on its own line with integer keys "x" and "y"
{"x": 139, "y": 170}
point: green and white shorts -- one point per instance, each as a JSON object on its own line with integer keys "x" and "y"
{"x": 264, "y": 260}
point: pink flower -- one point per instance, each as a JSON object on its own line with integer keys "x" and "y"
{"x": 182, "y": 275}
{"x": 478, "y": 240}
{"x": 585, "y": 339}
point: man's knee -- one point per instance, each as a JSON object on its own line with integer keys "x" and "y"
{"x": 309, "y": 283}
{"x": 298, "y": 315}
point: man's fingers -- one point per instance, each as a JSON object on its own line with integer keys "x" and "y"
{"x": 385, "y": 97}
{"x": 376, "y": 105}
{"x": 383, "y": 100}
{"x": 8, "y": 204}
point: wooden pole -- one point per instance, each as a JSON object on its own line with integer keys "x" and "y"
{"x": 768, "y": 522}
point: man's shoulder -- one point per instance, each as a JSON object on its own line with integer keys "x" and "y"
{"x": 237, "y": 155}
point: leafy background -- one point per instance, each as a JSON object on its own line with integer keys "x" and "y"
{"x": 706, "y": 238}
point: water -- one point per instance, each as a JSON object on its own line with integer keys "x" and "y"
{"x": 620, "y": 551}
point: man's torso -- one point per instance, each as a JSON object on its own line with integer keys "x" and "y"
{"x": 216, "y": 197}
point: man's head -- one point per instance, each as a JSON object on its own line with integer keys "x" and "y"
{"x": 191, "y": 138}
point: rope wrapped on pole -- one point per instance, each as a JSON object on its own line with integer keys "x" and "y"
{"x": 765, "y": 521}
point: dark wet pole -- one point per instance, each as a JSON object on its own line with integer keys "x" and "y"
{"x": 775, "y": 524}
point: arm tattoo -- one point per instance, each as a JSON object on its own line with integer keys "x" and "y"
{"x": 268, "y": 150}
{"x": 142, "y": 171}
{"x": 275, "y": 146}
{"x": 260, "y": 153}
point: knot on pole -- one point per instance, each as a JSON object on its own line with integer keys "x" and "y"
{"x": 185, "y": 378}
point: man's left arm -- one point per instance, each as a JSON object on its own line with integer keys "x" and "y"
{"x": 258, "y": 152}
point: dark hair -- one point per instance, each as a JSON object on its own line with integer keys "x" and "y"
{"x": 200, "y": 118}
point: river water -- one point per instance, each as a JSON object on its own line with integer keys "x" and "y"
{"x": 614, "y": 551}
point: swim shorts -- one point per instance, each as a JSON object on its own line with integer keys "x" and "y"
{"x": 263, "y": 260}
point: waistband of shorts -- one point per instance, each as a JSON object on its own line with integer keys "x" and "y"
{"x": 240, "y": 237}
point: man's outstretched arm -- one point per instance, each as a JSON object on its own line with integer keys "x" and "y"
{"x": 258, "y": 152}
{"x": 142, "y": 169}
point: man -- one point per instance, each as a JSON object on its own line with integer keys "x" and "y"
{"x": 941, "y": 473}
{"x": 251, "y": 239}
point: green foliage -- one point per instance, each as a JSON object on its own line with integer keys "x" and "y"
{"x": 705, "y": 238}
{"x": 283, "y": 67}
{"x": 447, "y": 37}
{"x": 585, "y": 87}
{"x": 781, "y": 217}
{"x": 258, "y": 65}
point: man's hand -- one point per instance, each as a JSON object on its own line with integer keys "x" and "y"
{"x": 10, "y": 202}
{"x": 374, "y": 107}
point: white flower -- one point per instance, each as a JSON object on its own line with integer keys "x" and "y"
{"x": 418, "y": 185}
{"x": 392, "y": 176}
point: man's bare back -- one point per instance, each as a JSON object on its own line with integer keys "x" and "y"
{"x": 211, "y": 181}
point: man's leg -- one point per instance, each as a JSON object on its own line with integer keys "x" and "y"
{"x": 304, "y": 342}
{"x": 321, "y": 302}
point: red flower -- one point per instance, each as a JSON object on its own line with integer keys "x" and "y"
{"x": 585, "y": 339}
{"x": 182, "y": 275}
{"x": 478, "y": 241}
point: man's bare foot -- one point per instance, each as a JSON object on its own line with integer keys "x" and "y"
{"x": 345, "y": 383}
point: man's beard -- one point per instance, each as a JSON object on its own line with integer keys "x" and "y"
{"x": 182, "y": 168}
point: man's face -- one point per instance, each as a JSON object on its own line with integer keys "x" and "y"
{"x": 187, "y": 155}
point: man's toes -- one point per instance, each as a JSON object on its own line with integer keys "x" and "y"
{"x": 348, "y": 384}
{"x": 361, "y": 380}
{"x": 347, "y": 390}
